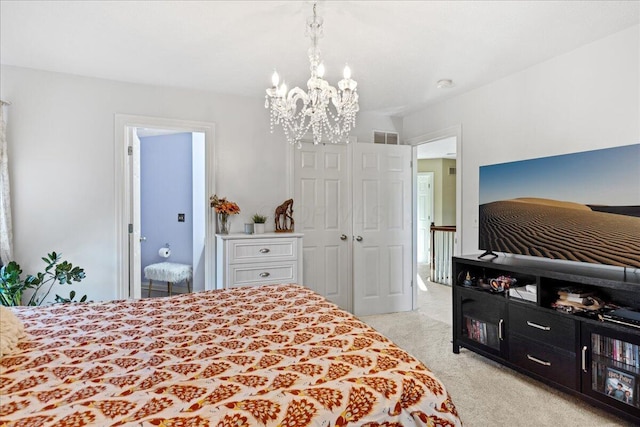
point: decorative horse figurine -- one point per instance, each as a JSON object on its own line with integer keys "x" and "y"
{"x": 284, "y": 217}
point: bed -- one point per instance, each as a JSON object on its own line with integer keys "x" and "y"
{"x": 277, "y": 355}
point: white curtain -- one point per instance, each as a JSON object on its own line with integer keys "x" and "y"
{"x": 6, "y": 229}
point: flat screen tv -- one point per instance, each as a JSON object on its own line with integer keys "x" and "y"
{"x": 582, "y": 207}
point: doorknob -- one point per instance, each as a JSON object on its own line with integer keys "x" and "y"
{"x": 359, "y": 238}
{"x": 143, "y": 239}
{"x": 343, "y": 237}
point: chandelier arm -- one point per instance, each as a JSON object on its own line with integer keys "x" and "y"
{"x": 297, "y": 94}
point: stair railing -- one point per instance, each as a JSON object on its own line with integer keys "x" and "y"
{"x": 442, "y": 240}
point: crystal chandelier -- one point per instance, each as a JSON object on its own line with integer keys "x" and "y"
{"x": 323, "y": 109}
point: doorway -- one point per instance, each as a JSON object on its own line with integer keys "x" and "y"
{"x": 436, "y": 166}
{"x": 172, "y": 205}
{"x": 189, "y": 230}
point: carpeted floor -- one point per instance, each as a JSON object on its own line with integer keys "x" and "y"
{"x": 485, "y": 393}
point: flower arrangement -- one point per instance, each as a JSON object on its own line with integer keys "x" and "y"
{"x": 223, "y": 208}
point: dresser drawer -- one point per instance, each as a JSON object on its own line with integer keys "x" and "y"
{"x": 256, "y": 274}
{"x": 547, "y": 361}
{"x": 241, "y": 251}
{"x": 546, "y": 327}
{"x": 250, "y": 260}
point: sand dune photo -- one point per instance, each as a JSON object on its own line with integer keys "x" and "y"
{"x": 560, "y": 230}
{"x": 581, "y": 207}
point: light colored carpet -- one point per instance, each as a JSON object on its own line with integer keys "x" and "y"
{"x": 484, "y": 392}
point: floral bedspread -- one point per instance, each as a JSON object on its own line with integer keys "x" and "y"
{"x": 267, "y": 356}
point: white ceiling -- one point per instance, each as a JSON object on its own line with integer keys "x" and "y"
{"x": 397, "y": 50}
{"x": 442, "y": 148}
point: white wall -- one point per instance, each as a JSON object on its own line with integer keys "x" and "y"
{"x": 61, "y": 142}
{"x": 366, "y": 123}
{"x": 583, "y": 100}
{"x": 60, "y": 131}
{"x": 61, "y": 148}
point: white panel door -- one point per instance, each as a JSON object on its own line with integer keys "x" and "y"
{"x": 424, "y": 199}
{"x": 323, "y": 214}
{"x": 382, "y": 247}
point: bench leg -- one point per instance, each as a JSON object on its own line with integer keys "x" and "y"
{"x": 149, "y": 294}
{"x": 169, "y": 289}
{"x": 188, "y": 286}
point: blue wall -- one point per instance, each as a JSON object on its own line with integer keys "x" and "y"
{"x": 165, "y": 191}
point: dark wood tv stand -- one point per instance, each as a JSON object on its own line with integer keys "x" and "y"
{"x": 575, "y": 353}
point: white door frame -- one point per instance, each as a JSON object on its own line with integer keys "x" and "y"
{"x": 123, "y": 124}
{"x": 453, "y": 131}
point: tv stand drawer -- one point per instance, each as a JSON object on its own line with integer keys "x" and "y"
{"x": 550, "y": 362}
{"x": 543, "y": 326}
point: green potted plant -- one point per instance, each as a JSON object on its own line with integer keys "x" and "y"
{"x": 12, "y": 285}
{"x": 258, "y": 223}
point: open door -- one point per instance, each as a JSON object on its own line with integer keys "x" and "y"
{"x": 135, "y": 263}
{"x": 424, "y": 199}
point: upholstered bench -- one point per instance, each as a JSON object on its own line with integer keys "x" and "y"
{"x": 170, "y": 272}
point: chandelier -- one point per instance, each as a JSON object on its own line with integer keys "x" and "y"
{"x": 323, "y": 110}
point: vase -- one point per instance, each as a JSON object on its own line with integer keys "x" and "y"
{"x": 223, "y": 223}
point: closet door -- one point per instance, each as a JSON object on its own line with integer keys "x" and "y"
{"x": 322, "y": 203}
{"x": 382, "y": 249}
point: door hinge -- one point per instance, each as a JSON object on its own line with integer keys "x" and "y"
{"x": 130, "y": 228}
{"x": 130, "y": 150}
{"x": 411, "y": 164}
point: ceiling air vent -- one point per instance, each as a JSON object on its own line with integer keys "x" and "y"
{"x": 390, "y": 138}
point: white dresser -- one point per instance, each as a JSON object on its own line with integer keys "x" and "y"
{"x": 258, "y": 259}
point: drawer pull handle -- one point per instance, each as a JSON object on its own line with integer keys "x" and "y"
{"x": 535, "y": 359}
{"x": 500, "y": 325}
{"x": 265, "y": 274}
{"x": 584, "y": 359}
{"x": 265, "y": 250}
{"x": 535, "y": 325}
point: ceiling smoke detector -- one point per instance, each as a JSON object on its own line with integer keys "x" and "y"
{"x": 445, "y": 84}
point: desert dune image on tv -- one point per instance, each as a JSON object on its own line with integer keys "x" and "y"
{"x": 581, "y": 207}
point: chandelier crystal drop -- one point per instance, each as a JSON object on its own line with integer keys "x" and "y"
{"x": 323, "y": 110}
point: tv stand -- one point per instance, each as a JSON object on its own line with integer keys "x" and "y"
{"x": 575, "y": 353}
{"x": 490, "y": 253}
